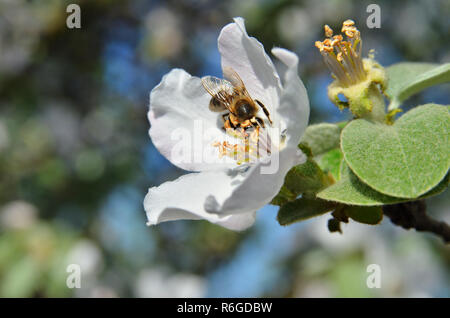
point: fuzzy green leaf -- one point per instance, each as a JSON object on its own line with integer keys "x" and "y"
{"x": 403, "y": 160}
{"x": 306, "y": 178}
{"x": 302, "y": 209}
{"x": 331, "y": 162}
{"x": 406, "y": 79}
{"x": 365, "y": 214}
{"x": 322, "y": 137}
{"x": 350, "y": 190}
{"x": 283, "y": 197}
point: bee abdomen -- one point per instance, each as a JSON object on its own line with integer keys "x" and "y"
{"x": 215, "y": 105}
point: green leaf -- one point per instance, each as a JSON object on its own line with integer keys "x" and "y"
{"x": 365, "y": 214}
{"x": 306, "y": 178}
{"x": 331, "y": 162}
{"x": 20, "y": 280}
{"x": 283, "y": 197}
{"x": 302, "y": 209}
{"x": 322, "y": 137}
{"x": 406, "y": 79}
{"x": 403, "y": 160}
{"x": 350, "y": 190}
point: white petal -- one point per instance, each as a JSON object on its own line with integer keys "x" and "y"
{"x": 294, "y": 102}
{"x": 182, "y": 126}
{"x": 184, "y": 199}
{"x": 257, "y": 187}
{"x": 247, "y": 57}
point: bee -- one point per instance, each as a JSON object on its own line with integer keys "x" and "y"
{"x": 230, "y": 95}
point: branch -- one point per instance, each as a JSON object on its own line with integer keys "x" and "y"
{"x": 412, "y": 215}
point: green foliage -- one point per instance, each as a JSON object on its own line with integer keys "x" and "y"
{"x": 352, "y": 191}
{"x": 20, "y": 280}
{"x": 404, "y": 160}
{"x": 331, "y": 162}
{"x": 33, "y": 261}
{"x": 365, "y": 214}
{"x": 302, "y": 209}
{"x": 306, "y": 180}
{"x": 322, "y": 137}
{"x": 283, "y": 197}
{"x": 350, "y": 276}
{"x": 406, "y": 79}
{"x": 307, "y": 177}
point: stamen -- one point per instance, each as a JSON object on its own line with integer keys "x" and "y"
{"x": 249, "y": 146}
{"x": 343, "y": 58}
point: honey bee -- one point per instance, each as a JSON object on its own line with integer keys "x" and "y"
{"x": 230, "y": 94}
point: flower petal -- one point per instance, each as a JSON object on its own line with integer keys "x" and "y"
{"x": 294, "y": 102}
{"x": 258, "y": 186}
{"x": 247, "y": 57}
{"x": 183, "y": 199}
{"x": 182, "y": 127}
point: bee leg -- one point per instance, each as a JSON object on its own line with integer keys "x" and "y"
{"x": 258, "y": 121}
{"x": 225, "y": 117}
{"x": 234, "y": 121}
{"x": 264, "y": 110}
{"x": 247, "y": 124}
{"x": 227, "y": 124}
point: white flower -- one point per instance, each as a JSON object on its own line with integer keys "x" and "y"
{"x": 221, "y": 191}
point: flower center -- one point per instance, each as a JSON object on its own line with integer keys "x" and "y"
{"x": 247, "y": 144}
{"x": 343, "y": 58}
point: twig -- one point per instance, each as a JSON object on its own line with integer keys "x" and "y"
{"x": 412, "y": 215}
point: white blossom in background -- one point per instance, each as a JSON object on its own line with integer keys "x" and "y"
{"x": 154, "y": 283}
{"x": 21, "y": 25}
{"x": 17, "y": 215}
{"x": 163, "y": 34}
{"x": 86, "y": 254}
{"x": 222, "y": 192}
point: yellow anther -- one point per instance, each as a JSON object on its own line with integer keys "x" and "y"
{"x": 328, "y": 31}
{"x": 343, "y": 57}
{"x": 348, "y": 22}
{"x": 319, "y": 45}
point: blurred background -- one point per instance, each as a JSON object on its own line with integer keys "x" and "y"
{"x": 76, "y": 160}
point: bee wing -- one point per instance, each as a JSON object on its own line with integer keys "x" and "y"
{"x": 234, "y": 78}
{"x": 221, "y": 90}
{"x": 231, "y": 75}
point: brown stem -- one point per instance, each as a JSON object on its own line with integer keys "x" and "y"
{"x": 412, "y": 215}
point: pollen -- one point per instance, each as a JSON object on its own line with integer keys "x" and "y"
{"x": 245, "y": 147}
{"x": 328, "y": 31}
{"x": 343, "y": 56}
